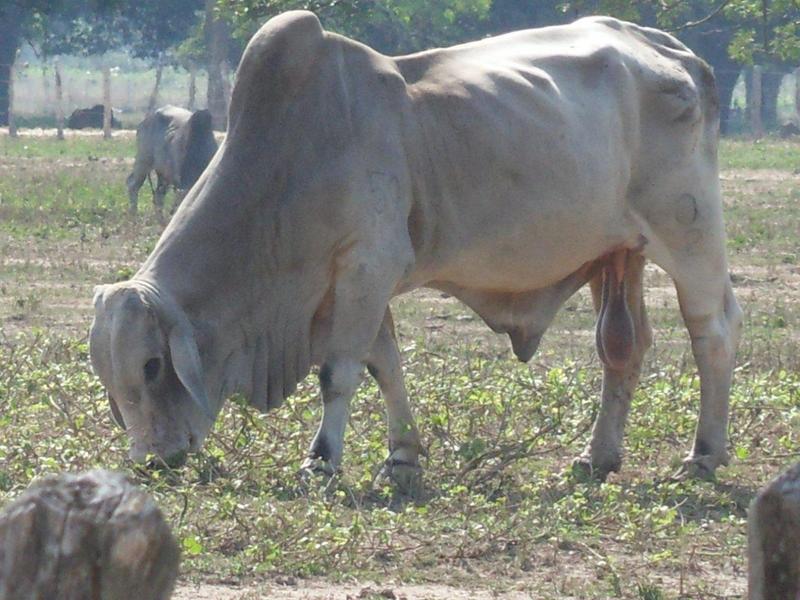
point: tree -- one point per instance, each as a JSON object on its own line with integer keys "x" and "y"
{"x": 147, "y": 27}
{"x": 390, "y": 26}
{"x": 17, "y": 19}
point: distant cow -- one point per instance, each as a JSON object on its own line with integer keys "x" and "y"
{"x": 90, "y": 118}
{"x": 175, "y": 143}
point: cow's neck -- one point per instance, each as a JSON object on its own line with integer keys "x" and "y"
{"x": 227, "y": 271}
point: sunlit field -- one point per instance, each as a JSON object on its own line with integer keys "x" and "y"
{"x": 500, "y": 512}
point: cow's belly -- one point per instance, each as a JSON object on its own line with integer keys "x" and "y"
{"x": 522, "y": 193}
{"x": 532, "y": 252}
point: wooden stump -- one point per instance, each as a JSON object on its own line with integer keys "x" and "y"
{"x": 774, "y": 540}
{"x": 92, "y": 536}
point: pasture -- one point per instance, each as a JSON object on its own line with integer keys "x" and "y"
{"x": 501, "y": 514}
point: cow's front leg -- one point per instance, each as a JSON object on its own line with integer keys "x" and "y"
{"x": 158, "y": 198}
{"x": 134, "y": 182}
{"x": 367, "y": 278}
{"x": 402, "y": 466}
{"x": 338, "y": 379}
{"x": 603, "y": 454}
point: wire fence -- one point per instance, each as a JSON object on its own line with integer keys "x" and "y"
{"x": 35, "y": 98}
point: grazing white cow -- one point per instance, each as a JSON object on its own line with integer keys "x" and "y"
{"x": 508, "y": 172}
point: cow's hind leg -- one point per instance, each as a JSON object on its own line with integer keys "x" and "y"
{"x": 690, "y": 246}
{"x": 621, "y": 368}
{"x": 383, "y": 363}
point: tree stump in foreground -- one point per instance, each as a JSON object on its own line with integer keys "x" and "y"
{"x": 774, "y": 540}
{"x": 92, "y": 536}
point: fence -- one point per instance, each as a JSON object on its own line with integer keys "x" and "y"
{"x": 35, "y": 105}
{"x": 34, "y": 102}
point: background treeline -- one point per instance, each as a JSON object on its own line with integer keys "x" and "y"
{"x": 209, "y": 35}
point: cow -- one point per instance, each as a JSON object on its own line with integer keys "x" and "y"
{"x": 507, "y": 172}
{"x": 90, "y": 118}
{"x": 178, "y": 145}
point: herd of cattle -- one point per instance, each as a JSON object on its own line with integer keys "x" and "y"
{"x": 507, "y": 172}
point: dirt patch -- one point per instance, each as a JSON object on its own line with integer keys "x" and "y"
{"x": 328, "y": 591}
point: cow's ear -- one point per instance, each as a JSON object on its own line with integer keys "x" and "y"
{"x": 200, "y": 147}
{"x": 115, "y": 412}
{"x": 186, "y": 361}
{"x": 99, "y": 291}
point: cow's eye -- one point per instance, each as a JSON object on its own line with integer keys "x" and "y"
{"x": 151, "y": 369}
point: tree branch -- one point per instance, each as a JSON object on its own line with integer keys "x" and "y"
{"x": 705, "y": 19}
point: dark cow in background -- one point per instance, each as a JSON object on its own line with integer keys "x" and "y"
{"x": 90, "y": 118}
{"x": 175, "y": 143}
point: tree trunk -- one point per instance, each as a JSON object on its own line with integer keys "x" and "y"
{"x": 93, "y": 535}
{"x": 774, "y": 538}
{"x": 217, "y": 36}
{"x": 106, "y": 102}
{"x": 770, "y": 87}
{"x": 12, "y": 121}
{"x": 59, "y": 101}
{"x": 10, "y": 18}
{"x": 726, "y": 81}
{"x": 797, "y": 95}
{"x": 754, "y": 102}
{"x": 153, "y": 102}
{"x": 192, "y": 87}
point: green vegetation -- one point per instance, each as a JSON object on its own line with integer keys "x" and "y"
{"x": 762, "y": 154}
{"x": 75, "y": 148}
{"x": 500, "y": 509}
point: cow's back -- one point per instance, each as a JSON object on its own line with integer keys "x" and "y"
{"x": 530, "y": 138}
{"x": 153, "y": 137}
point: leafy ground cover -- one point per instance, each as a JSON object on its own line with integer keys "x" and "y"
{"x": 500, "y": 513}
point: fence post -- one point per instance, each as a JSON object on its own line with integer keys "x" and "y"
{"x": 192, "y": 86}
{"x": 59, "y": 101}
{"x": 12, "y": 120}
{"x": 754, "y": 104}
{"x": 151, "y": 104}
{"x": 45, "y": 83}
{"x": 106, "y": 101}
{"x": 225, "y": 71}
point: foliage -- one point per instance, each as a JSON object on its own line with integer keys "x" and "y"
{"x": 761, "y": 30}
{"x": 147, "y": 28}
{"x": 766, "y": 30}
{"x": 393, "y": 26}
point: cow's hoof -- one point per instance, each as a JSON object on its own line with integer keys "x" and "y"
{"x": 315, "y": 472}
{"x": 405, "y": 477}
{"x": 583, "y": 469}
{"x": 702, "y": 467}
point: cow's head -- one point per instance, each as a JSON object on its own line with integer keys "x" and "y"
{"x": 144, "y": 350}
